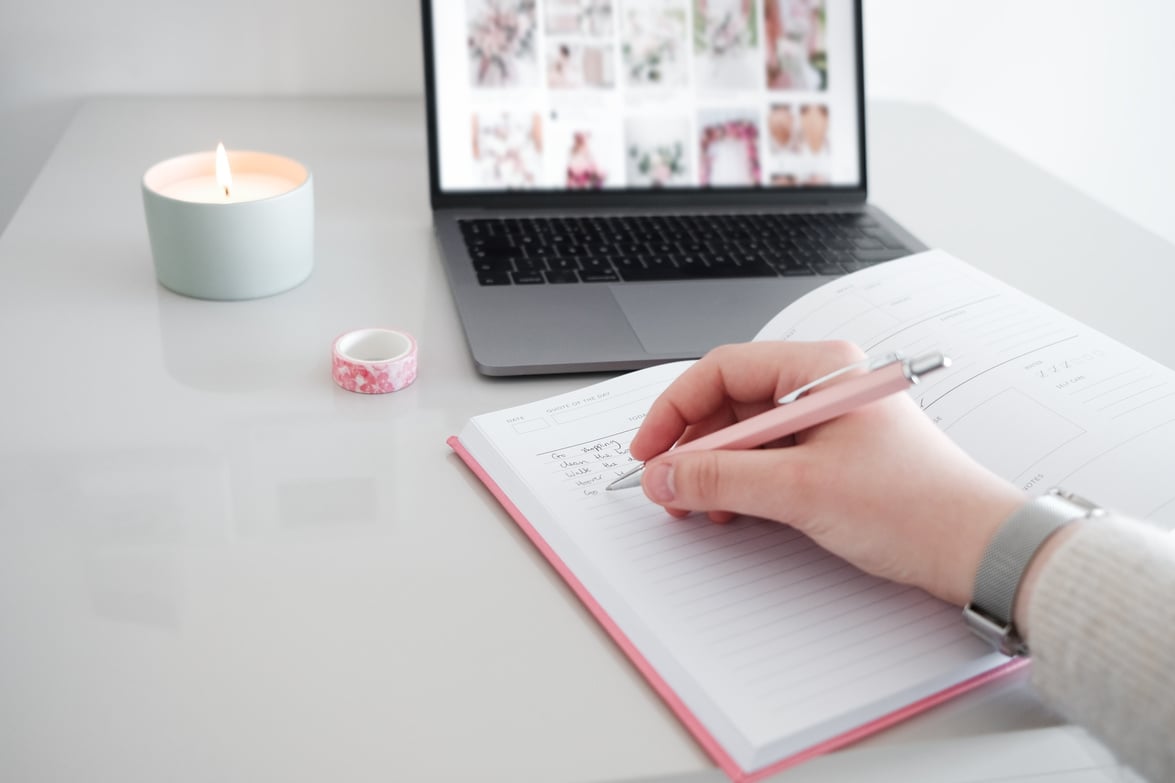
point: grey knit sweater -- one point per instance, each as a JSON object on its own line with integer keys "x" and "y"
{"x": 1101, "y": 627}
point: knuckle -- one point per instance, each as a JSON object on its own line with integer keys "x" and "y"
{"x": 704, "y": 481}
{"x": 722, "y": 353}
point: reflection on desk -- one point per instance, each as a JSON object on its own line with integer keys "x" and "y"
{"x": 217, "y": 565}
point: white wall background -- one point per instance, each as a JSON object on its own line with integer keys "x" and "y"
{"x": 1084, "y": 88}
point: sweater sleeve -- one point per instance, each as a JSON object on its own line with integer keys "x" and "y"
{"x": 1101, "y": 628}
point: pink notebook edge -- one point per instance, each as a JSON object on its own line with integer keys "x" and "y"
{"x": 712, "y": 747}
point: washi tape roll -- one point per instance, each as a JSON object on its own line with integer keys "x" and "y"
{"x": 374, "y": 361}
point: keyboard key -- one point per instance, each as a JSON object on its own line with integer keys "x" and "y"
{"x": 648, "y": 269}
{"x": 787, "y": 262}
{"x": 563, "y": 264}
{"x": 800, "y": 270}
{"x": 630, "y": 268}
{"x": 599, "y": 277}
{"x": 561, "y": 250}
{"x": 595, "y": 264}
{"x": 495, "y": 245}
{"x": 493, "y": 264}
{"x": 530, "y": 264}
{"x": 755, "y": 268}
{"x": 877, "y": 256}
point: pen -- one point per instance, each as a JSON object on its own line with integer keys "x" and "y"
{"x": 799, "y": 412}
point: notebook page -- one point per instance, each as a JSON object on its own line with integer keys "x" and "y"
{"x": 772, "y": 643}
{"x": 1036, "y": 396}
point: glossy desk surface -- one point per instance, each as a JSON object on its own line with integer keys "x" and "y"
{"x": 216, "y": 565}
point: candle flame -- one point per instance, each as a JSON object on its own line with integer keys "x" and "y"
{"x": 224, "y": 175}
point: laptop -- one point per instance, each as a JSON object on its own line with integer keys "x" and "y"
{"x": 620, "y": 183}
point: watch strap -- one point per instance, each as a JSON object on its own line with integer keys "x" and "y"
{"x": 1006, "y": 559}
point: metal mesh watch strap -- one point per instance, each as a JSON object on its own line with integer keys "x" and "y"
{"x": 1006, "y": 559}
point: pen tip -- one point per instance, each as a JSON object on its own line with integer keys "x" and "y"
{"x": 630, "y": 479}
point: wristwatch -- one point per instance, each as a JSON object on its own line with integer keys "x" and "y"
{"x": 1006, "y": 559}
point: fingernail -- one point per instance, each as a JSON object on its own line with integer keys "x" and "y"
{"x": 659, "y": 482}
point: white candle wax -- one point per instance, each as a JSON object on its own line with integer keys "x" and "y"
{"x": 255, "y": 176}
{"x": 246, "y": 186}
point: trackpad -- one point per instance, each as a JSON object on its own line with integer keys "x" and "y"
{"x": 692, "y": 317}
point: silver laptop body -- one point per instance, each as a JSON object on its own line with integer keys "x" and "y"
{"x": 546, "y": 126}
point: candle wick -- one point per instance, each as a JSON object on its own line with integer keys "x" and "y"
{"x": 226, "y": 195}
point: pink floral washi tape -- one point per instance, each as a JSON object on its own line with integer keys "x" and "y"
{"x": 374, "y": 361}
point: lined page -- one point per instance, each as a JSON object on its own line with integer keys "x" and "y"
{"x": 1034, "y": 395}
{"x": 772, "y": 643}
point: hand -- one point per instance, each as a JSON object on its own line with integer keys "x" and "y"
{"x": 881, "y": 486}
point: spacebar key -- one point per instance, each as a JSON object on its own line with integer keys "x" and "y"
{"x": 643, "y": 273}
{"x": 740, "y": 270}
{"x": 877, "y": 256}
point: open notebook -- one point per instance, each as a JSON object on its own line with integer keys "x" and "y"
{"x": 769, "y": 649}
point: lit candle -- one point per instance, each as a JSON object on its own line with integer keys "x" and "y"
{"x": 230, "y": 225}
{"x": 251, "y": 183}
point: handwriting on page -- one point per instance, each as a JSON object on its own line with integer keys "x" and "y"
{"x": 587, "y": 468}
{"x": 752, "y": 622}
{"x": 751, "y": 600}
{"x": 772, "y": 627}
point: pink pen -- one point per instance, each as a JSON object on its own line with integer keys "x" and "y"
{"x": 799, "y": 411}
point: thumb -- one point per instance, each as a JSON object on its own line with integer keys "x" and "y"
{"x": 754, "y": 482}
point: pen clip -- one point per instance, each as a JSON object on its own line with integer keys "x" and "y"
{"x": 867, "y": 364}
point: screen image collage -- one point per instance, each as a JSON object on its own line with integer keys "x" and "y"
{"x": 595, "y": 94}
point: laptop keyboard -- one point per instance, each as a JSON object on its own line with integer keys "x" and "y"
{"x": 561, "y": 250}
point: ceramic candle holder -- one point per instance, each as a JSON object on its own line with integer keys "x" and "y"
{"x": 250, "y": 239}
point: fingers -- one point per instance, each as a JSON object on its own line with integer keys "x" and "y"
{"x": 773, "y": 483}
{"x": 733, "y": 382}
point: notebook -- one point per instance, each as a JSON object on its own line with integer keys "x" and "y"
{"x": 767, "y": 648}
{"x": 662, "y": 175}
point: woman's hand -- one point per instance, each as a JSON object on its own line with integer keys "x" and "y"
{"x": 881, "y": 486}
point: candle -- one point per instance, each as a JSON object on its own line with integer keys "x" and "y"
{"x": 234, "y": 225}
{"x": 206, "y": 190}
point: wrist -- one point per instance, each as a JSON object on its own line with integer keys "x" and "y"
{"x": 981, "y": 520}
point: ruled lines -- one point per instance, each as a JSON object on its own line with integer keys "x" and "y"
{"x": 753, "y": 603}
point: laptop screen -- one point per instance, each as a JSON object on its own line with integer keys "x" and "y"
{"x": 580, "y": 95}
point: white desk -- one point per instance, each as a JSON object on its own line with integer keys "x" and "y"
{"x": 217, "y": 566}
